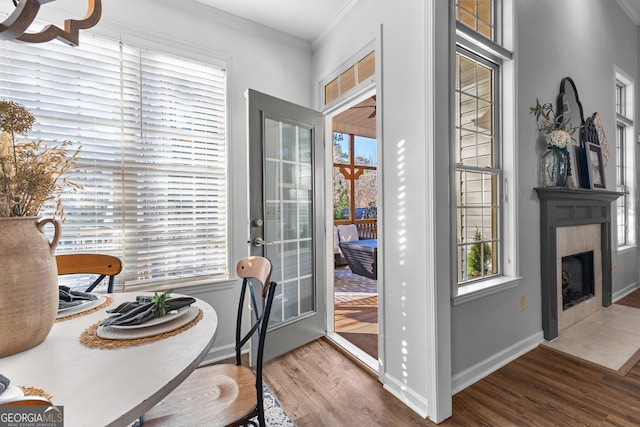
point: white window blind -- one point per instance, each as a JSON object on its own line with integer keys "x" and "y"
{"x": 153, "y": 162}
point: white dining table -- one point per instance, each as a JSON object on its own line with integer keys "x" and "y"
{"x": 115, "y": 386}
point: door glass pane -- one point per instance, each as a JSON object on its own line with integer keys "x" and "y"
{"x": 288, "y": 225}
{"x": 290, "y": 300}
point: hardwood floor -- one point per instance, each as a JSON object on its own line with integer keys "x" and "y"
{"x": 357, "y": 321}
{"x": 318, "y": 386}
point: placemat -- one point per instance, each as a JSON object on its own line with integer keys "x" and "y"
{"x": 35, "y": 391}
{"x": 90, "y": 337}
{"x": 106, "y": 303}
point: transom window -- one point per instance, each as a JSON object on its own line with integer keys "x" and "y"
{"x": 153, "y": 163}
{"x": 477, "y": 15}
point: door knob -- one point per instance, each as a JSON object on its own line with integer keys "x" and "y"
{"x": 259, "y": 241}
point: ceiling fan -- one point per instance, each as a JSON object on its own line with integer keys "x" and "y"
{"x": 373, "y": 113}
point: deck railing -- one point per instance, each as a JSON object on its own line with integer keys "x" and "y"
{"x": 367, "y": 228}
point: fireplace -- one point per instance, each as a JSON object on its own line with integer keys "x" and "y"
{"x": 577, "y": 279}
{"x": 575, "y": 237}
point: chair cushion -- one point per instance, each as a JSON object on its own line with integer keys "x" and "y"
{"x": 348, "y": 232}
{"x": 336, "y": 241}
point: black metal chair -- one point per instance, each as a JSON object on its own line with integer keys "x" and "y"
{"x": 230, "y": 394}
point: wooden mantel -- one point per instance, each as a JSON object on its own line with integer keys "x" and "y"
{"x": 563, "y": 207}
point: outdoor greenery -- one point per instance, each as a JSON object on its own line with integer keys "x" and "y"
{"x": 479, "y": 258}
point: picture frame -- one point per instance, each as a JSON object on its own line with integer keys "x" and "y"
{"x": 596, "y": 166}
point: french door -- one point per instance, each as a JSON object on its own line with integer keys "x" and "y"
{"x": 286, "y": 169}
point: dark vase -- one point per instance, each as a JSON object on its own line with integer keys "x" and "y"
{"x": 555, "y": 165}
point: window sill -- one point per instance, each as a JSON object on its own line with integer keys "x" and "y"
{"x": 623, "y": 250}
{"x": 484, "y": 288}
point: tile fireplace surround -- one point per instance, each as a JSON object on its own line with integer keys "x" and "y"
{"x": 561, "y": 207}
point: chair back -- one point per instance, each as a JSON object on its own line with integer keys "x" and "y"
{"x": 256, "y": 273}
{"x": 97, "y": 264}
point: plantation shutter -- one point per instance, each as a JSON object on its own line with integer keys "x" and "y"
{"x": 153, "y": 161}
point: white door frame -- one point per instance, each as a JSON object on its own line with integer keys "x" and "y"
{"x": 359, "y": 95}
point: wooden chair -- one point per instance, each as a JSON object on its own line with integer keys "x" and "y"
{"x": 101, "y": 265}
{"x": 240, "y": 387}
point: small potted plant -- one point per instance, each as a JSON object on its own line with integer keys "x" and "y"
{"x": 31, "y": 174}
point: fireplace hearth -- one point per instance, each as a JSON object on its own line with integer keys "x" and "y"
{"x": 561, "y": 210}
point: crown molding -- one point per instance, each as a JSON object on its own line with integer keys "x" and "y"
{"x": 631, "y": 8}
{"x": 349, "y": 9}
{"x": 219, "y": 17}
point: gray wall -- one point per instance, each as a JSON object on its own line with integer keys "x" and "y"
{"x": 578, "y": 38}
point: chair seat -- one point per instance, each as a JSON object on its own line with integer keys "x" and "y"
{"x": 236, "y": 393}
{"x": 228, "y": 395}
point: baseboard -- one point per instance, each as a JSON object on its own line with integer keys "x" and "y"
{"x": 406, "y": 395}
{"x": 475, "y": 373}
{"x": 219, "y": 353}
{"x": 626, "y": 291}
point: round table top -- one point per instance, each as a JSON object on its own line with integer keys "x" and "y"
{"x": 102, "y": 387}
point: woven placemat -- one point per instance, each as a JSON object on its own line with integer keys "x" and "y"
{"x": 90, "y": 336}
{"x": 107, "y": 302}
{"x": 35, "y": 391}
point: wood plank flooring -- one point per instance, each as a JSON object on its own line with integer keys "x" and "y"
{"x": 318, "y": 386}
{"x": 357, "y": 321}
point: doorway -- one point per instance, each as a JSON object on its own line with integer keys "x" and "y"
{"x": 354, "y": 171}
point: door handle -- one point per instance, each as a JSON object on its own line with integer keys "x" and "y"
{"x": 259, "y": 241}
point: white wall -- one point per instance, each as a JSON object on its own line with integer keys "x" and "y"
{"x": 258, "y": 58}
{"x": 412, "y": 368}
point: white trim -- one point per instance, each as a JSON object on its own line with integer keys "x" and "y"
{"x": 354, "y": 350}
{"x": 626, "y": 291}
{"x": 406, "y": 395}
{"x": 483, "y": 288}
{"x": 219, "y": 17}
{"x": 349, "y": 9}
{"x": 480, "y": 370}
{"x": 631, "y": 8}
{"x": 345, "y": 97}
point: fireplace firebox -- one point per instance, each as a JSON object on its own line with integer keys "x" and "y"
{"x": 577, "y": 279}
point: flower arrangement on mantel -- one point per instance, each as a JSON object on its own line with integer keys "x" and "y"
{"x": 557, "y": 131}
{"x": 31, "y": 172}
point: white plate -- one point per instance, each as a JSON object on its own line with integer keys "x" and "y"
{"x": 172, "y": 315}
{"x": 12, "y": 392}
{"x": 109, "y": 332}
{"x": 87, "y": 305}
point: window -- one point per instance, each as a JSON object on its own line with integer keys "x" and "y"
{"x": 625, "y": 171}
{"x": 478, "y": 171}
{"x": 153, "y": 157}
{"x": 477, "y": 15}
{"x": 354, "y": 178}
{"x": 356, "y": 74}
{"x": 484, "y": 246}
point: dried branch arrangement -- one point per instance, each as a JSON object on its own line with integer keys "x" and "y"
{"x": 31, "y": 172}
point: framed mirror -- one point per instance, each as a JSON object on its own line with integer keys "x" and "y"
{"x": 569, "y": 108}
